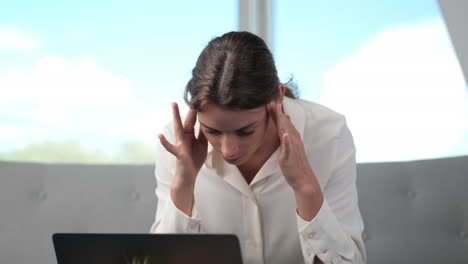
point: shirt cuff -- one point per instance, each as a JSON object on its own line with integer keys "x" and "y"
{"x": 176, "y": 221}
{"x": 324, "y": 237}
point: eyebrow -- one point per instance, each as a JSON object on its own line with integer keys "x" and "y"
{"x": 242, "y": 128}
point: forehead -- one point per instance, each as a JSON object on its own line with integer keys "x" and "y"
{"x": 229, "y": 120}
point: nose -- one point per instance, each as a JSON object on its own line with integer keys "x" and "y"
{"x": 229, "y": 146}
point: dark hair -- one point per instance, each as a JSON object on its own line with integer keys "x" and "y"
{"x": 234, "y": 71}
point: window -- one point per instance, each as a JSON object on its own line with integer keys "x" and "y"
{"x": 388, "y": 66}
{"x": 90, "y": 81}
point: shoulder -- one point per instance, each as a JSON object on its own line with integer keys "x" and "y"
{"x": 327, "y": 139}
{"x": 314, "y": 118}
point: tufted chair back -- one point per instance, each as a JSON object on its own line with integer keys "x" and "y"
{"x": 415, "y": 212}
{"x": 37, "y": 200}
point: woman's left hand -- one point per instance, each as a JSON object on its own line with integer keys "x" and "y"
{"x": 292, "y": 159}
{"x": 295, "y": 165}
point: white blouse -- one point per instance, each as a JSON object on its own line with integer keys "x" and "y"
{"x": 263, "y": 213}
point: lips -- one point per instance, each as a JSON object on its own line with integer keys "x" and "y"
{"x": 231, "y": 160}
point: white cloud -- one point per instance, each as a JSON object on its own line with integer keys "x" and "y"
{"x": 56, "y": 86}
{"x": 15, "y": 40}
{"x": 60, "y": 99}
{"x": 403, "y": 93}
{"x": 145, "y": 125}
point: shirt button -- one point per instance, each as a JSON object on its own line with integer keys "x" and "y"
{"x": 193, "y": 227}
{"x": 252, "y": 243}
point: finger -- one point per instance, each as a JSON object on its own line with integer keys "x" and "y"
{"x": 285, "y": 146}
{"x": 201, "y": 137}
{"x": 290, "y": 128}
{"x": 271, "y": 111}
{"x": 279, "y": 111}
{"x": 178, "y": 129}
{"x": 190, "y": 120}
{"x": 280, "y": 120}
{"x": 166, "y": 144}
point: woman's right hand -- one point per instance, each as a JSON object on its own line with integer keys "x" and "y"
{"x": 189, "y": 150}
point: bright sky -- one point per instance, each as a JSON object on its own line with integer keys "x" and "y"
{"x": 106, "y": 71}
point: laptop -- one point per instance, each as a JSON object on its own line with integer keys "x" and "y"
{"x": 79, "y": 248}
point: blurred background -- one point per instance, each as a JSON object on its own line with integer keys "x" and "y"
{"x": 92, "y": 81}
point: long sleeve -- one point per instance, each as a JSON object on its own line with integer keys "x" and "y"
{"x": 169, "y": 219}
{"x": 335, "y": 234}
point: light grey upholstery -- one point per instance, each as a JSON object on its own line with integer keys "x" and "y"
{"x": 38, "y": 200}
{"x": 414, "y": 212}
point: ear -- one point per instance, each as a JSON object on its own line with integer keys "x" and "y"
{"x": 279, "y": 100}
{"x": 282, "y": 90}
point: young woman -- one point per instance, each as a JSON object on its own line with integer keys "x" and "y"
{"x": 277, "y": 171}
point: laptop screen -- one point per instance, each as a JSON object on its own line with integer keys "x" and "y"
{"x": 146, "y": 249}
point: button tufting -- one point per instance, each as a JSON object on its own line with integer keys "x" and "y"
{"x": 463, "y": 235}
{"x": 135, "y": 196}
{"x": 42, "y": 196}
{"x": 411, "y": 195}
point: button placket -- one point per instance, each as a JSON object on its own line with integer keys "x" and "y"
{"x": 252, "y": 227}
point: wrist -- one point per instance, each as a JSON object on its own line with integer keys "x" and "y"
{"x": 182, "y": 195}
{"x": 306, "y": 187}
{"x": 182, "y": 185}
{"x": 305, "y": 183}
{"x": 308, "y": 192}
{"x": 309, "y": 200}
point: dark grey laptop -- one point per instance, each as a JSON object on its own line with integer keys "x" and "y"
{"x": 146, "y": 249}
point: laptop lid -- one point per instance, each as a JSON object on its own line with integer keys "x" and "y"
{"x": 152, "y": 248}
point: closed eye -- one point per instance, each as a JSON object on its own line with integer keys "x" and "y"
{"x": 212, "y": 132}
{"x": 239, "y": 133}
{"x": 244, "y": 134}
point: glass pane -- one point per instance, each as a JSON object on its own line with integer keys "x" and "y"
{"x": 388, "y": 66}
{"x": 92, "y": 81}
